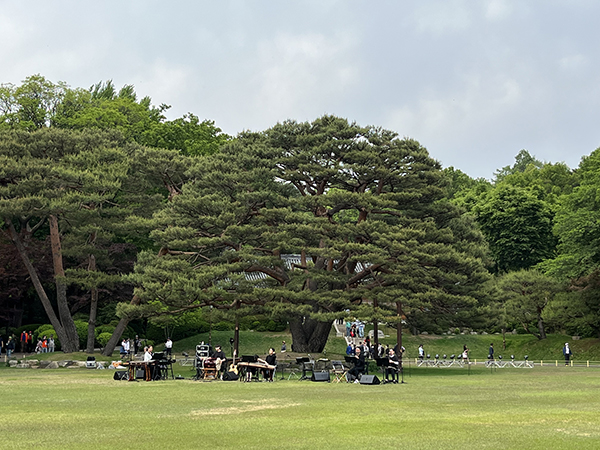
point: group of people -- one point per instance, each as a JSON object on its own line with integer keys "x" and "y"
{"x": 25, "y": 344}
{"x": 266, "y": 365}
{"x": 126, "y": 345}
{"x": 355, "y": 329}
{"x": 391, "y": 368}
{"x": 370, "y": 351}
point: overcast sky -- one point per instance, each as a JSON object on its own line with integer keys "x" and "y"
{"x": 473, "y": 81}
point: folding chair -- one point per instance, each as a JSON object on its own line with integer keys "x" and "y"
{"x": 338, "y": 371}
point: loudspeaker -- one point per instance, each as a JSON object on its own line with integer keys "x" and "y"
{"x": 320, "y": 376}
{"x": 120, "y": 375}
{"x": 369, "y": 379}
{"x": 140, "y": 374}
{"x": 230, "y": 376}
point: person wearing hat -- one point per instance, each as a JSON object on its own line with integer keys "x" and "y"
{"x": 567, "y": 353}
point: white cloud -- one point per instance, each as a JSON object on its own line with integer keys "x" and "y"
{"x": 165, "y": 82}
{"x": 497, "y": 10}
{"x": 441, "y": 17}
{"x": 573, "y": 62}
{"x": 294, "y": 71}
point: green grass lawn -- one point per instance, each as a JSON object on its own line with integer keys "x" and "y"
{"x": 540, "y": 408}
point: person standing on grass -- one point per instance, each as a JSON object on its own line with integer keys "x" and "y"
{"x": 10, "y": 346}
{"x": 465, "y": 354}
{"x": 1, "y": 344}
{"x": 421, "y": 352}
{"x": 23, "y": 341}
{"x": 491, "y": 352}
{"x": 567, "y": 353}
{"x": 168, "y": 347}
{"x": 51, "y": 344}
{"x": 283, "y": 347}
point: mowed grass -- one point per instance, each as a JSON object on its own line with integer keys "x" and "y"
{"x": 540, "y": 408}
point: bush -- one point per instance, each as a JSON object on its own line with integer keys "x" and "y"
{"x": 103, "y": 339}
{"x": 223, "y": 326}
{"x": 82, "y": 332}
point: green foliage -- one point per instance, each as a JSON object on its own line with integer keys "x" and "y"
{"x": 523, "y": 161}
{"x": 82, "y": 332}
{"x": 518, "y": 227}
{"x": 578, "y": 224}
{"x": 103, "y": 338}
{"x": 525, "y": 296}
{"x": 365, "y": 207}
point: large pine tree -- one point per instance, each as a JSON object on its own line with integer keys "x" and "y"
{"x": 313, "y": 220}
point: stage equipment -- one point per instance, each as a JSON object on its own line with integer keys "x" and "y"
{"x": 307, "y": 366}
{"x": 91, "y": 362}
{"x": 369, "y": 379}
{"x": 320, "y": 376}
{"x": 230, "y": 376}
{"x": 120, "y": 375}
{"x": 202, "y": 351}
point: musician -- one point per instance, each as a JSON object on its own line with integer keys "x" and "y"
{"x": 392, "y": 368}
{"x": 271, "y": 360}
{"x": 359, "y": 364}
{"x": 147, "y": 354}
{"x": 219, "y": 357}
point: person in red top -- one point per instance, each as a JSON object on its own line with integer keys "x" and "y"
{"x": 24, "y": 342}
{"x": 44, "y": 344}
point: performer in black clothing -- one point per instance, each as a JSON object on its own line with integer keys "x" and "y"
{"x": 219, "y": 357}
{"x": 359, "y": 364}
{"x": 270, "y": 359}
{"x": 392, "y": 368}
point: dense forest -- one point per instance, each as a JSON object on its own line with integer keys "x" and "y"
{"x": 116, "y": 221}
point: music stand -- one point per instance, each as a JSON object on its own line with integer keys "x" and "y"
{"x": 303, "y": 360}
{"x": 384, "y": 363}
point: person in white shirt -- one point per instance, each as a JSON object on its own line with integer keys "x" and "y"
{"x": 147, "y": 354}
{"x": 168, "y": 347}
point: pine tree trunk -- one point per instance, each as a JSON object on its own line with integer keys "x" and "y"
{"x": 37, "y": 284}
{"x": 309, "y": 335}
{"x": 72, "y": 343}
{"x": 91, "y": 338}
{"x": 116, "y": 336}
{"x": 541, "y": 329}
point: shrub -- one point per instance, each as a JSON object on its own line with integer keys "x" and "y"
{"x": 103, "y": 339}
{"x": 223, "y": 326}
